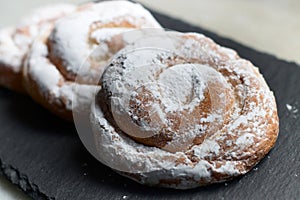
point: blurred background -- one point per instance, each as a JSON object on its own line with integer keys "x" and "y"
{"x": 271, "y": 26}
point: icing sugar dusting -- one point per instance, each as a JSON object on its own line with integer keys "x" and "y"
{"x": 226, "y": 151}
{"x": 49, "y": 78}
{"x": 246, "y": 139}
{"x": 76, "y": 36}
{"x": 15, "y": 41}
{"x": 291, "y": 108}
{"x": 181, "y": 78}
{"x": 205, "y": 148}
{"x": 175, "y": 89}
{"x": 10, "y": 54}
{"x": 40, "y": 19}
{"x": 72, "y": 39}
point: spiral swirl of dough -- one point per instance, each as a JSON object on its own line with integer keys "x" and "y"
{"x": 183, "y": 118}
{"x": 92, "y": 32}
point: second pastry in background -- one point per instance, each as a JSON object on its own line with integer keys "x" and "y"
{"x": 56, "y": 57}
{"x": 15, "y": 42}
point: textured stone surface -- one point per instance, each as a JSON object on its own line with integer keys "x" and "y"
{"x": 45, "y": 158}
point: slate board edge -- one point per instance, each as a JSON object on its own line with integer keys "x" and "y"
{"x": 32, "y": 190}
{"x": 22, "y": 182}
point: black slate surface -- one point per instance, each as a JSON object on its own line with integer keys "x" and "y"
{"x": 44, "y": 156}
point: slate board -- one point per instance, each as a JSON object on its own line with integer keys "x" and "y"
{"x": 44, "y": 156}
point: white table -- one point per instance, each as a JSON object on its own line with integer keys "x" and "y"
{"x": 271, "y": 26}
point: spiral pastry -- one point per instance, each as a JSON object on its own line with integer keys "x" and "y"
{"x": 184, "y": 118}
{"x": 93, "y": 32}
{"x": 15, "y": 42}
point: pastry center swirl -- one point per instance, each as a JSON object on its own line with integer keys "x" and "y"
{"x": 171, "y": 107}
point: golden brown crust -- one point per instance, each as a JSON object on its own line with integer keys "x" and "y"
{"x": 11, "y": 79}
{"x": 224, "y": 126}
{"x": 62, "y": 49}
{"x": 15, "y": 42}
{"x": 33, "y": 90}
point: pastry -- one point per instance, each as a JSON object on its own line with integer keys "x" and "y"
{"x": 189, "y": 115}
{"x": 15, "y": 42}
{"x": 52, "y": 68}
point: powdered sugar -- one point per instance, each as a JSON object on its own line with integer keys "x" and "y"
{"x": 15, "y": 42}
{"x": 49, "y": 78}
{"x": 292, "y": 108}
{"x": 75, "y": 37}
{"x": 106, "y": 34}
{"x": 207, "y": 147}
{"x": 10, "y": 55}
{"x": 240, "y": 100}
{"x": 175, "y": 89}
{"x": 71, "y": 42}
{"x": 245, "y": 140}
